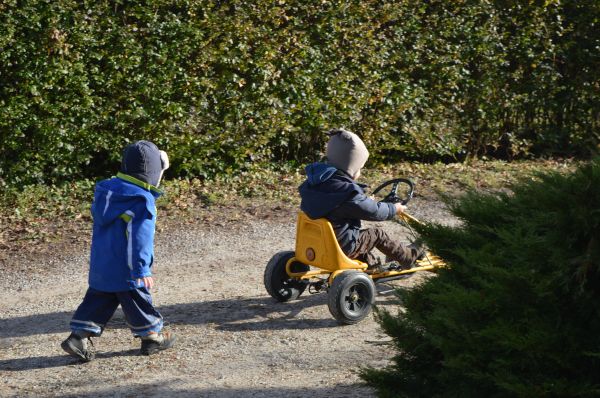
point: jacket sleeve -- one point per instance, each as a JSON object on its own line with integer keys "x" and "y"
{"x": 140, "y": 243}
{"x": 362, "y": 207}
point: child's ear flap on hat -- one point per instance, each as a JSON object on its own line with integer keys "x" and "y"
{"x": 164, "y": 160}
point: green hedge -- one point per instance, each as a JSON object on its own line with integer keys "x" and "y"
{"x": 220, "y": 84}
{"x": 517, "y": 313}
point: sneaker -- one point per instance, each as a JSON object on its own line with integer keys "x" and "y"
{"x": 418, "y": 247}
{"x": 378, "y": 268}
{"x": 155, "y": 342}
{"x": 394, "y": 265}
{"x": 80, "y": 347}
{"x": 375, "y": 266}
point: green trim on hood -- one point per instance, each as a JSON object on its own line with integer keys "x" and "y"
{"x": 137, "y": 182}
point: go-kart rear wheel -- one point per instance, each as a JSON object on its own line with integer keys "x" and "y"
{"x": 351, "y": 297}
{"x": 277, "y": 282}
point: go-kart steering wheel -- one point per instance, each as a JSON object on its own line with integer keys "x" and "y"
{"x": 392, "y": 196}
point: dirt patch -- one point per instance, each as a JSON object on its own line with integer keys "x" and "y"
{"x": 234, "y": 340}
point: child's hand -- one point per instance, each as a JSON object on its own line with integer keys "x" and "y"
{"x": 400, "y": 208}
{"x": 146, "y": 281}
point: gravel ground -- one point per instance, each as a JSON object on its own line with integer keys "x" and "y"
{"x": 233, "y": 339}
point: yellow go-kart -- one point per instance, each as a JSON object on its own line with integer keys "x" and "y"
{"x": 319, "y": 264}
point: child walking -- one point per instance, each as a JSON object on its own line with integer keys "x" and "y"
{"x": 122, "y": 253}
{"x": 331, "y": 191}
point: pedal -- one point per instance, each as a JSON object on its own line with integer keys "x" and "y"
{"x": 317, "y": 287}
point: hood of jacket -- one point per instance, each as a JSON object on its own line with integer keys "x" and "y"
{"x": 114, "y": 197}
{"x": 325, "y": 189}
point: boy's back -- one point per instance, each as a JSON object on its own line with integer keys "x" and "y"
{"x": 124, "y": 214}
{"x": 331, "y": 191}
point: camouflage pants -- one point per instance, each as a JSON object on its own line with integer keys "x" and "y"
{"x": 372, "y": 238}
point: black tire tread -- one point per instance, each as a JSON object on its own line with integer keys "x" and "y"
{"x": 274, "y": 266}
{"x": 340, "y": 283}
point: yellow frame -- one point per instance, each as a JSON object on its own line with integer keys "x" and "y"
{"x": 317, "y": 246}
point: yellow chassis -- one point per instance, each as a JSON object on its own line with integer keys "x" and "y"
{"x": 317, "y": 246}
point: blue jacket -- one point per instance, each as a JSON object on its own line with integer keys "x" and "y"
{"x": 124, "y": 213}
{"x": 331, "y": 193}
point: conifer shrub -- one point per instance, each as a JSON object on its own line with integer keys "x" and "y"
{"x": 517, "y": 312}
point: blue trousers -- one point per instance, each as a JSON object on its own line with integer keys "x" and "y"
{"x": 98, "y": 307}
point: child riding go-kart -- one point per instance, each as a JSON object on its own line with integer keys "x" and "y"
{"x": 319, "y": 264}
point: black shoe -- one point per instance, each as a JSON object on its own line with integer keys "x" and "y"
{"x": 418, "y": 249}
{"x": 79, "y": 347}
{"x": 156, "y": 342}
{"x": 377, "y": 269}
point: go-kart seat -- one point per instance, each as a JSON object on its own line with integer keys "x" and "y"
{"x": 317, "y": 245}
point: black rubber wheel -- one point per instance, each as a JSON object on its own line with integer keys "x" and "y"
{"x": 351, "y": 297}
{"x": 277, "y": 282}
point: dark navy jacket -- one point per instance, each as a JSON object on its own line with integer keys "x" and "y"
{"x": 332, "y": 194}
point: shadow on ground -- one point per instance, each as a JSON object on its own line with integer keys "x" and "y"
{"x": 168, "y": 391}
{"x": 245, "y": 314}
{"x": 249, "y": 314}
{"x": 56, "y": 361}
{"x": 229, "y": 314}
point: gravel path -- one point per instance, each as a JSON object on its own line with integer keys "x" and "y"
{"x": 234, "y": 340}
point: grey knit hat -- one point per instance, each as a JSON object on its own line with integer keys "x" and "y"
{"x": 346, "y": 151}
{"x": 144, "y": 161}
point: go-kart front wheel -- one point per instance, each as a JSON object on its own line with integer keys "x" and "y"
{"x": 351, "y": 297}
{"x": 277, "y": 282}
